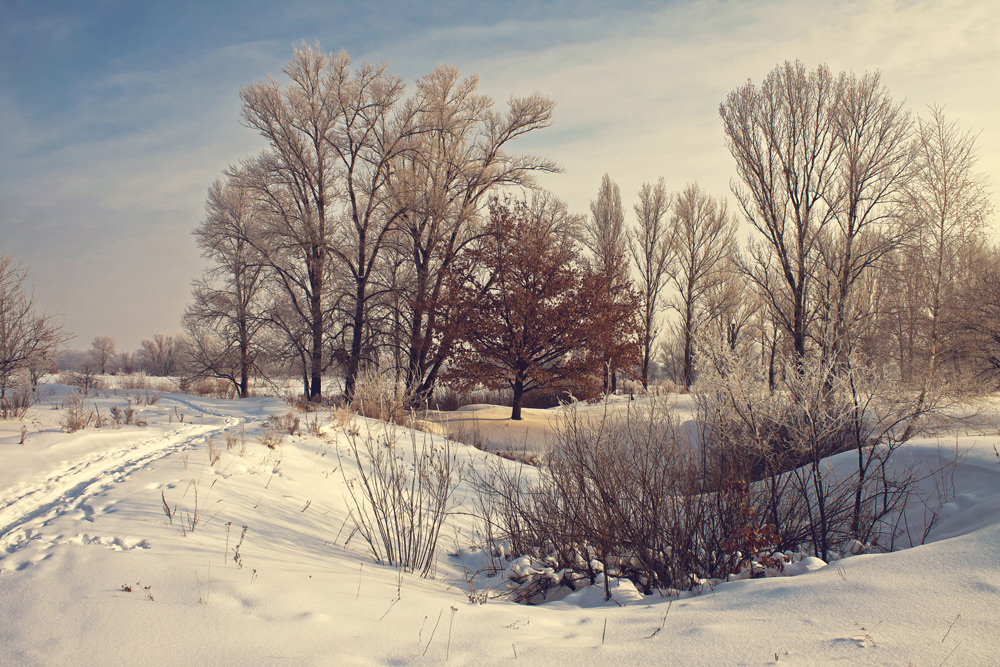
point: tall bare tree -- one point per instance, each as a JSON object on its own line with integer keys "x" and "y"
{"x": 375, "y": 127}
{"x": 225, "y": 321}
{"x": 702, "y": 238}
{"x": 605, "y": 237}
{"x": 27, "y": 337}
{"x": 458, "y": 156}
{"x": 650, "y": 248}
{"x": 783, "y": 138}
{"x": 948, "y": 206}
{"x": 295, "y": 182}
{"x": 102, "y": 353}
{"x": 874, "y": 158}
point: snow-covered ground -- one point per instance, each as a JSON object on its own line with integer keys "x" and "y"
{"x": 253, "y": 567}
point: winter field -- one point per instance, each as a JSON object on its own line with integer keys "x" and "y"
{"x": 254, "y": 565}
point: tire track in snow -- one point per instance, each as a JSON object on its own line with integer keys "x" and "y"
{"x": 67, "y": 487}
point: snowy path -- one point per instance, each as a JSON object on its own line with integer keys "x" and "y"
{"x": 69, "y": 487}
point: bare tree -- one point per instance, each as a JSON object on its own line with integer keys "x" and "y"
{"x": 732, "y": 306}
{"x": 227, "y": 315}
{"x": 605, "y": 237}
{"x": 373, "y": 128}
{"x": 875, "y": 154}
{"x": 157, "y": 355}
{"x": 650, "y": 249}
{"x": 948, "y": 205}
{"x": 702, "y": 238}
{"x": 783, "y": 138}
{"x": 458, "y": 157}
{"x": 127, "y": 362}
{"x": 26, "y": 336}
{"x": 102, "y": 353}
{"x": 295, "y": 182}
{"x": 978, "y": 317}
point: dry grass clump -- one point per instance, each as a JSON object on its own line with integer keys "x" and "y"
{"x": 210, "y": 387}
{"x": 378, "y": 395}
{"x": 76, "y": 415}
{"x": 277, "y": 428}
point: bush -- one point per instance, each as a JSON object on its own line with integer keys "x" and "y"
{"x": 400, "y": 500}
{"x": 15, "y": 401}
{"x": 379, "y": 396}
{"x": 76, "y": 416}
{"x": 619, "y": 497}
{"x": 669, "y": 508}
{"x": 86, "y": 381}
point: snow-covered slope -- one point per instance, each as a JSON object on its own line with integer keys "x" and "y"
{"x": 92, "y": 570}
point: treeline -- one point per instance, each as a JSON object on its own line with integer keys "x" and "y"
{"x": 160, "y": 356}
{"x": 380, "y": 230}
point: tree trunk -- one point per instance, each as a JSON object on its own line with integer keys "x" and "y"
{"x": 518, "y": 395}
{"x": 354, "y": 361}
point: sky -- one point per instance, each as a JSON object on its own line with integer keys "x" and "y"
{"x": 116, "y": 116}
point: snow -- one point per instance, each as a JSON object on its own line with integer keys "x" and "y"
{"x": 82, "y": 520}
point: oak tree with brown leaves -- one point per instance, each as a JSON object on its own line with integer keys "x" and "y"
{"x": 537, "y": 317}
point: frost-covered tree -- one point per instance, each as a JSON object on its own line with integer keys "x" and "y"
{"x": 225, "y": 322}
{"x": 295, "y": 182}
{"x": 948, "y": 206}
{"x": 649, "y": 245}
{"x": 606, "y": 238}
{"x": 458, "y": 156}
{"x": 157, "y": 355}
{"x": 782, "y": 137}
{"x": 702, "y": 239}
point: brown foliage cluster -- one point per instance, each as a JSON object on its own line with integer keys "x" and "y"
{"x": 537, "y": 317}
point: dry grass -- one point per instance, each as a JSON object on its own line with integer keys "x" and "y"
{"x": 76, "y": 415}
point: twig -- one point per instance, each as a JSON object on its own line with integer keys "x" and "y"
{"x": 950, "y": 627}
{"x": 952, "y": 651}
{"x": 431, "y": 638}
{"x": 447, "y": 654}
{"x": 662, "y": 621}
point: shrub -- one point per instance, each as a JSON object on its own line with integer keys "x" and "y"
{"x": 618, "y": 497}
{"x": 86, "y": 381}
{"x": 76, "y": 415}
{"x": 15, "y": 401}
{"x": 400, "y": 500}
{"x": 211, "y": 387}
{"x": 379, "y": 396}
{"x": 667, "y": 507}
{"x": 129, "y": 381}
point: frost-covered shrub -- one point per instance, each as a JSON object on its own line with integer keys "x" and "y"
{"x": 781, "y": 442}
{"x": 670, "y": 506}
{"x": 15, "y": 400}
{"x": 619, "y": 497}
{"x": 76, "y": 415}
{"x": 379, "y": 396}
